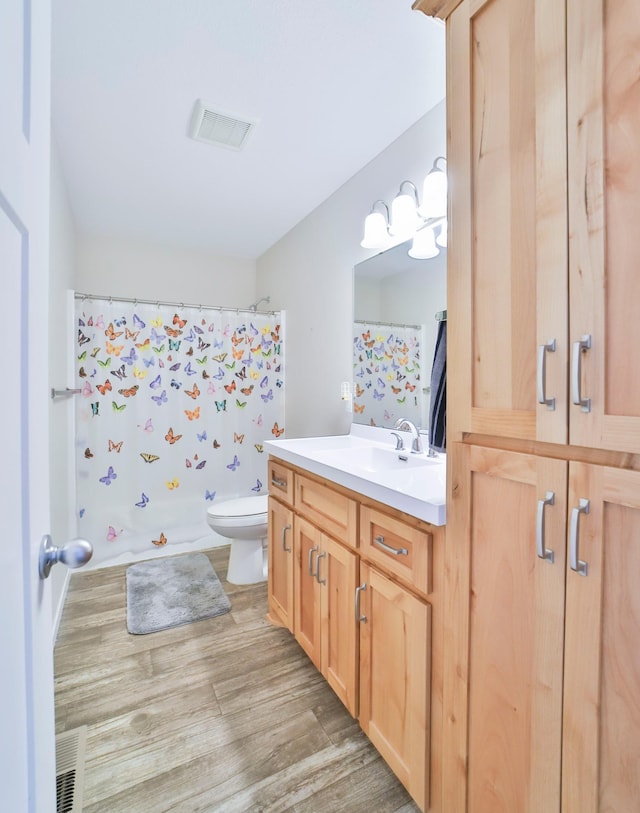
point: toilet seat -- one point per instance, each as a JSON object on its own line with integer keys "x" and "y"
{"x": 243, "y": 512}
{"x": 240, "y": 507}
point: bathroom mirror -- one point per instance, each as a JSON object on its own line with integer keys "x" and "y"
{"x": 396, "y": 300}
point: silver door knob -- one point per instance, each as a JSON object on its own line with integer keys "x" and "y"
{"x": 75, "y": 553}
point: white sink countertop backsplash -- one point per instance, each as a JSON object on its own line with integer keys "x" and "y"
{"x": 414, "y": 484}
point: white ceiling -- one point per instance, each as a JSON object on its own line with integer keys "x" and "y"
{"x": 331, "y": 83}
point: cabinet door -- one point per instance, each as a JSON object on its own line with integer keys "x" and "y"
{"x": 395, "y": 669}
{"x": 507, "y": 260}
{"x": 337, "y": 576}
{"x": 601, "y": 741}
{"x": 507, "y": 637}
{"x": 604, "y": 210}
{"x": 308, "y": 542}
{"x": 281, "y": 563}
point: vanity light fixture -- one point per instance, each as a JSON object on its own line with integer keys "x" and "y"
{"x": 404, "y": 212}
{"x": 376, "y": 228}
{"x": 434, "y": 192}
{"x": 423, "y": 245}
{"x": 410, "y": 218}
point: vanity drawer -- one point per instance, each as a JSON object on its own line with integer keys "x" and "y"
{"x": 397, "y": 547}
{"x": 335, "y": 513}
{"x": 280, "y": 482}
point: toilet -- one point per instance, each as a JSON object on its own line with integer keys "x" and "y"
{"x": 244, "y": 521}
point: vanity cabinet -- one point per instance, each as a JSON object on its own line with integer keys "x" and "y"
{"x": 281, "y": 564}
{"x": 367, "y": 611}
{"x": 325, "y": 579}
{"x": 280, "y": 542}
{"x": 395, "y": 676}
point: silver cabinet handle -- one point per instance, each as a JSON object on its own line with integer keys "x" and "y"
{"x": 543, "y": 553}
{"x": 579, "y": 347}
{"x": 543, "y": 349}
{"x": 318, "y": 557}
{"x": 277, "y": 481}
{"x": 575, "y": 563}
{"x": 379, "y": 541}
{"x": 310, "y": 562}
{"x": 284, "y": 537}
{"x": 359, "y": 617}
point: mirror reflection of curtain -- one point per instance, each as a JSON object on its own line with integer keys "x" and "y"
{"x": 387, "y": 373}
{"x": 174, "y": 408}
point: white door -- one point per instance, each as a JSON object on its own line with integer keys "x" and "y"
{"x": 27, "y": 742}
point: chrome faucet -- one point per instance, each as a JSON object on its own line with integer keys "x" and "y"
{"x": 403, "y": 424}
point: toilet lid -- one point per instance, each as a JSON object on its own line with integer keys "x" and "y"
{"x": 241, "y": 507}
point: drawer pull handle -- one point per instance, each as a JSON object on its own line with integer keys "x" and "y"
{"x": 543, "y": 349}
{"x": 379, "y": 541}
{"x": 543, "y": 553}
{"x": 579, "y": 347}
{"x": 576, "y": 564}
{"x": 359, "y": 617}
{"x": 284, "y": 538}
{"x": 278, "y": 481}
{"x": 318, "y": 557}
{"x": 310, "y": 563}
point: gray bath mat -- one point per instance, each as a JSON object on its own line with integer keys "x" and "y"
{"x": 164, "y": 593}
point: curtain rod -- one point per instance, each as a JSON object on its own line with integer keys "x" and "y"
{"x": 159, "y": 302}
{"x": 384, "y": 324}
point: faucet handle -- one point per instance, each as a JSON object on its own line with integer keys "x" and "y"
{"x": 399, "y": 442}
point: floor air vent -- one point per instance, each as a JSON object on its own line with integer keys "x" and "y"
{"x": 70, "y": 748}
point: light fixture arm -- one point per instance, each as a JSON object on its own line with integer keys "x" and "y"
{"x": 414, "y": 189}
{"x": 381, "y": 203}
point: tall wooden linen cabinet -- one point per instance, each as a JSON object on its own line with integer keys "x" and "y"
{"x": 542, "y": 603}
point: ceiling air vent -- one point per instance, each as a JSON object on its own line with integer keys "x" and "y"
{"x": 218, "y": 127}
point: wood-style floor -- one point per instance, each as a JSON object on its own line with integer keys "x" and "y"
{"x": 226, "y": 714}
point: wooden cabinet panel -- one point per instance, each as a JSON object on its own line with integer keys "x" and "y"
{"x": 601, "y": 746}
{"x": 514, "y": 602}
{"x": 325, "y": 627}
{"x": 332, "y": 511}
{"x": 604, "y": 207}
{"x": 280, "y": 563}
{"x": 397, "y": 547}
{"x": 395, "y": 675}
{"x": 281, "y": 482}
{"x": 337, "y": 574}
{"x": 508, "y": 255}
{"x": 308, "y": 542}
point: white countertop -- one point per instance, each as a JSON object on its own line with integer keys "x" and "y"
{"x": 421, "y": 493}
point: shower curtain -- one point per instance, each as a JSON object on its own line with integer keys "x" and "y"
{"x": 386, "y": 369}
{"x": 175, "y": 406}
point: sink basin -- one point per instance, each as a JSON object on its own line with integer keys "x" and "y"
{"x": 413, "y": 483}
{"x": 374, "y": 459}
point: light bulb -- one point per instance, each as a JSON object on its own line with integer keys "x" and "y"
{"x": 434, "y": 195}
{"x": 404, "y": 217}
{"x": 424, "y": 246}
{"x": 375, "y": 231}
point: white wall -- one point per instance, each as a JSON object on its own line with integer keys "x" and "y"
{"x": 112, "y": 267}
{"x": 61, "y": 440}
{"x": 309, "y": 273}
